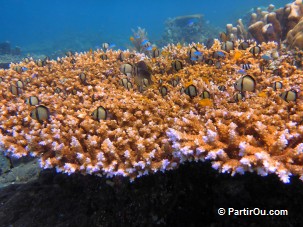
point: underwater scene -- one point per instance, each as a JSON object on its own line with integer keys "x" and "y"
{"x": 161, "y": 113}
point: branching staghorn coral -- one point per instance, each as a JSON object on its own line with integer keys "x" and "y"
{"x": 138, "y": 38}
{"x": 146, "y": 130}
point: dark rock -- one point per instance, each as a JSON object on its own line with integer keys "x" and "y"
{"x": 5, "y": 164}
{"x": 20, "y": 172}
{"x": 188, "y": 196}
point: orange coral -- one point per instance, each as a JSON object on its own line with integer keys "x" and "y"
{"x": 146, "y": 132}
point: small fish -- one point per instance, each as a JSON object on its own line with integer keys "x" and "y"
{"x": 40, "y": 113}
{"x": 121, "y": 56}
{"x": 18, "y": 69}
{"x": 155, "y": 53}
{"x": 142, "y": 88}
{"x": 20, "y": 84}
{"x": 32, "y": 100}
{"x": 129, "y": 85}
{"x": 99, "y": 114}
{"x": 147, "y": 46}
{"x": 126, "y": 83}
{"x": 191, "y": 91}
{"x": 15, "y": 90}
{"x": 69, "y": 53}
{"x": 243, "y": 46}
{"x": 177, "y": 65}
{"x": 245, "y": 83}
{"x": 191, "y": 22}
{"x": 174, "y": 82}
{"x": 255, "y": 50}
{"x": 218, "y": 65}
{"x": 24, "y": 69}
{"x": 144, "y": 42}
{"x": 112, "y": 45}
{"x": 222, "y": 88}
{"x": 266, "y": 57}
{"x": 104, "y": 57}
{"x": 145, "y": 82}
{"x": 57, "y": 90}
{"x": 40, "y": 63}
{"x": 246, "y": 66}
{"x": 74, "y": 91}
{"x": 194, "y": 54}
{"x": 290, "y": 95}
{"x": 242, "y": 71}
{"x": 205, "y": 95}
{"x": 142, "y": 73}
{"x": 127, "y": 69}
{"x": 182, "y": 90}
{"x": 218, "y": 54}
{"x": 82, "y": 77}
{"x": 227, "y": 46}
{"x": 277, "y": 85}
{"x": 105, "y": 46}
{"x": 277, "y": 72}
{"x": 26, "y": 60}
{"x": 163, "y": 90}
{"x": 73, "y": 61}
{"x": 238, "y": 97}
{"x": 132, "y": 55}
{"x": 131, "y": 38}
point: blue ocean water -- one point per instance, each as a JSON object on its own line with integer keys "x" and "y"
{"x": 41, "y": 26}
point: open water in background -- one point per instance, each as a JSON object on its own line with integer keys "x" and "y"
{"x": 44, "y": 25}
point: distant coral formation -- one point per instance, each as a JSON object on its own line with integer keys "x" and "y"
{"x": 187, "y": 29}
{"x": 5, "y": 48}
{"x": 279, "y": 25}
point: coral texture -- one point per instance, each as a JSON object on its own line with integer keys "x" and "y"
{"x": 271, "y": 25}
{"x": 146, "y": 130}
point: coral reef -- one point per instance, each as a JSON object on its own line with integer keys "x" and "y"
{"x": 5, "y": 48}
{"x": 187, "y": 29}
{"x": 7, "y": 55}
{"x": 295, "y": 36}
{"x": 271, "y": 24}
{"x": 138, "y": 38}
{"x": 87, "y": 121}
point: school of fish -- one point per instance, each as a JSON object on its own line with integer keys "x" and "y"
{"x": 105, "y": 112}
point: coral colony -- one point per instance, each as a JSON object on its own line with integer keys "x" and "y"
{"x": 236, "y": 104}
